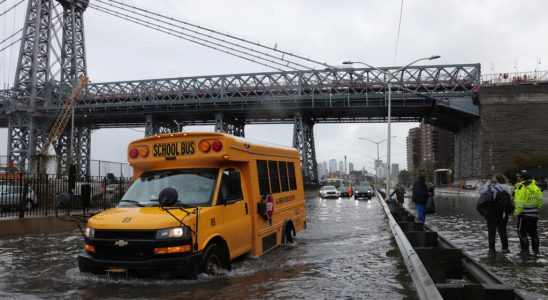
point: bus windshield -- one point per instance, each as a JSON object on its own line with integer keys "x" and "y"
{"x": 194, "y": 186}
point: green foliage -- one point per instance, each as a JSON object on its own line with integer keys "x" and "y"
{"x": 406, "y": 178}
{"x": 427, "y": 165}
{"x": 528, "y": 162}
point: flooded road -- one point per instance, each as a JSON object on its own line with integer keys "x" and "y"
{"x": 347, "y": 252}
{"x": 456, "y": 218}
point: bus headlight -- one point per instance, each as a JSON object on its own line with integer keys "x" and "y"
{"x": 175, "y": 232}
{"x": 89, "y": 232}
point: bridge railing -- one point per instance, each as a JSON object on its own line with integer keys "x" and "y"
{"x": 448, "y": 80}
{"x": 530, "y": 77}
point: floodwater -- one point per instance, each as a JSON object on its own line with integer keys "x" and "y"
{"x": 456, "y": 218}
{"x": 347, "y": 252}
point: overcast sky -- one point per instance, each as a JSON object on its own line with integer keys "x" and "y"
{"x": 502, "y": 35}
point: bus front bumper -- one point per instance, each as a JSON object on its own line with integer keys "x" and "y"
{"x": 163, "y": 267}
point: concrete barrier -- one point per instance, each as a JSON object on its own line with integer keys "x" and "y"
{"x": 34, "y": 225}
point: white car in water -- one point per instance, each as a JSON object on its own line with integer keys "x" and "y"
{"x": 11, "y": 196}
{"x": 329, "y": 191}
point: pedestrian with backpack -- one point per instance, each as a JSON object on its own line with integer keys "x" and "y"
{"x": 497, "y": 208}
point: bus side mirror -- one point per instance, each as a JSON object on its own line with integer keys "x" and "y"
{"x": 168, "y": 197}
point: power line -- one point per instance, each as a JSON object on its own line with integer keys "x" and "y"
{"x": 398, "y": 35}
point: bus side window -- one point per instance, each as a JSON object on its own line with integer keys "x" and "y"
{"x": 291, "y": 174}
{"x": 283, "y": 176}
{"x": 274, "y": 178}
{"x": 231, "y": 187}
{"x": 262, "y": 174}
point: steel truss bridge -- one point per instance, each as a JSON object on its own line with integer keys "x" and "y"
{"x": 440, "y": 94}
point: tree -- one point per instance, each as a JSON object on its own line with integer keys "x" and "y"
{"x": 405, "y": 178}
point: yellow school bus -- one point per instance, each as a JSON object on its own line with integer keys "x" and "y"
{"x": 198, "y": 201}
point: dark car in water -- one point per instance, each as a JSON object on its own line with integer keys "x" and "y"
{"x": 363, "y": 192}
{"x": 345, "y": 191}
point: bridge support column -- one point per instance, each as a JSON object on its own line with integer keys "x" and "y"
{"x": 75, "y": 152}
{"x": 303, "y": 140}
{"x": 467, "y": 152}
{"x": 153, "y": 126}
{"x": 234, "y": 126}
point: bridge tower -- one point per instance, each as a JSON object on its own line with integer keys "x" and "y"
{"x": 303, "y": 140}
{"x": 35, "y": 81}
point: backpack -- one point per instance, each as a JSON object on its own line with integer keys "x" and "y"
{"x": 485, "y": 203}
{"x": 503, "y": 202}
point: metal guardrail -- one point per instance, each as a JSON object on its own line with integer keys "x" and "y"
{"x": 530, "y": 77}
{"x": 426, "y": 288}
{"x": 91, "y": 194}
{"x": 453, "y": 273}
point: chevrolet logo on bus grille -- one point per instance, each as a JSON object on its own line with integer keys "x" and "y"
{"x": 120, "y": 243}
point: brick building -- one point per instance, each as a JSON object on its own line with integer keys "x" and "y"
{"x": 428, "y": 143}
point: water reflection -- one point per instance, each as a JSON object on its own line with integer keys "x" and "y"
{"x": 347, "y": 251}
{"x": 457, "y": 219}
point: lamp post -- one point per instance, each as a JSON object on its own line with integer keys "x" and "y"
{"x": 378, "y": 156}
{"x": 388, "y": 77}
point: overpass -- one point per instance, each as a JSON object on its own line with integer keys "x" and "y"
{"x": 440, "y": 94}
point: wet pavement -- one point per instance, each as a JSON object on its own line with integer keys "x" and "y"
{"x": 347, "y": 252}
{"x": 456, "y": 218}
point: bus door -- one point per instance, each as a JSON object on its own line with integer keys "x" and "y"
{"x": 236, "y": 211}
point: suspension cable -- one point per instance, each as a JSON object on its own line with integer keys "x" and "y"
{"x": 14, "y": 6}
{"x": 13, "y": 43}
{"x": 258, "y": 44}
{"x": 192, "y": 38}
{"x": 286, "y": 61}
{"x": 9, "y": 37}
{"x": 150, "y": 25}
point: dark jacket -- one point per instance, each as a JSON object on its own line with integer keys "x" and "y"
{"x": 399, "y": 194}
{"x": 420, "y": 191}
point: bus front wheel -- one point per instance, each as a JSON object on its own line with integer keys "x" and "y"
{"x": 211, "y": 263}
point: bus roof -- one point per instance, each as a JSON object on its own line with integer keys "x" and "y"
{"x": 184, "y": 145}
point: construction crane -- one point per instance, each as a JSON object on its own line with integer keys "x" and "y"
{"x": 62, "y": 118}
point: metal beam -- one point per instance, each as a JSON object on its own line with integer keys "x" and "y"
{"x": 230, "y": 125}
{"x": 303, "y": 140}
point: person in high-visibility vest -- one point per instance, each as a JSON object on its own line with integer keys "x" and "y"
{"x": 528, "y": 201}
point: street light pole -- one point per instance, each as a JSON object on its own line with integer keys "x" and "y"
{"x": 389, "y": 76}
{"x": 378, "y": 156}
